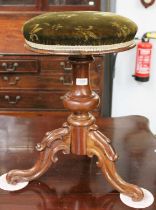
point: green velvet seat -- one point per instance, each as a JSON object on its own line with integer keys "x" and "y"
{"x": 83, "y": 32}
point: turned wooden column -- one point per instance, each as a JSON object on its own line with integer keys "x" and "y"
{"x": 80, "y": 135}
{"x": 80, "y": 101}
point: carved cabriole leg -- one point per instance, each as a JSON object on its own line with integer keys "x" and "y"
{"x": 99, "y": 145}
{"x": 53, "y": 142}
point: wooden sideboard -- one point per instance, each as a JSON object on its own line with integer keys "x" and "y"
{"x": 30, "y": 81}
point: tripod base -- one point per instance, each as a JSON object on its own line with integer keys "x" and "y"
{"x": 96, "y": 144}
{"x": 79, "y": 136}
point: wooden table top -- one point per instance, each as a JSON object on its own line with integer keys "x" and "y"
{"x": 75, "y": 182}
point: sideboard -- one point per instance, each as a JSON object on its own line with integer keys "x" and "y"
{"x": 31, "y": 81}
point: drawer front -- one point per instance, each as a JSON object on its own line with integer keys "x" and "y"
{"x": 31, "y": 100}
{"x": 62, "y": 65}
{"x": 19, "y": 66}
{"x": 52, "y": 81}
{"x": 55, "y": 64}
{"x": 32, "y": 82}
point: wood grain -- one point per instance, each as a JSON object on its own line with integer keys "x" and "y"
{"x": 79, "y": 135}
{"x": 75, "y": 181}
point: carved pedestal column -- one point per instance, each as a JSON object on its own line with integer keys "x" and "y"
{"x": 80, "y": 135}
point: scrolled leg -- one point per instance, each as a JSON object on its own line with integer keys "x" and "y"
{"x": 99, "y": 145}
{"x": 53, "y": 142}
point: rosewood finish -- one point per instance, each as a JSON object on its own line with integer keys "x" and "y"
{"x": 75, "y": 182}
{"x": 79, "y": 135}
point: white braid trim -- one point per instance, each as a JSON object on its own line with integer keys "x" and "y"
{"x": 80, "y": 48}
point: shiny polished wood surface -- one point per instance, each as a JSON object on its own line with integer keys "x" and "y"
{"x": 79, "y": 135}
{"x": 75, "y": 182}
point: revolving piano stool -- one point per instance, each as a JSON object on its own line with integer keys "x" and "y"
{"x": 80, "y": 36}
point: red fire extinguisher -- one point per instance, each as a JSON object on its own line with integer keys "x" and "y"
{"x": 143, "y": 60}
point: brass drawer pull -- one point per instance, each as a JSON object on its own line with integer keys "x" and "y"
{"x": 66, "y": 69}
{"x": 10, "y": 81}
{"x": 61, "y": 97}
{"x": 65, "y": 82}
{"x": 17, "y": 98}
{"x": 99, "y": 67}
{"x": 10, "y": 68}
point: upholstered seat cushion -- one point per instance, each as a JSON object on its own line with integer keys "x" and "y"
{"x": 79, "y": 31}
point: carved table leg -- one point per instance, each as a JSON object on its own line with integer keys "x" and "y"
{"x": 54, "y": 141}
{"x": 99, "y": 145}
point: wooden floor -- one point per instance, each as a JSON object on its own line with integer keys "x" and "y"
{"x": 75, "y": 182}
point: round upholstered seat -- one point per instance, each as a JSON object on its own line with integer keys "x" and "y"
{"x": 82, "y": 32}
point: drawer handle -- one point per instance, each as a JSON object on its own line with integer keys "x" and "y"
{"x": 10, "y": 81}
{"x": 17, "y": 98}
{"x": 66, "y": 69}
{"x": 63, "y": 80}
{"x": 99, "y": 67}
{"x": 9, "y": 68}
{"x": 61, "y": 97}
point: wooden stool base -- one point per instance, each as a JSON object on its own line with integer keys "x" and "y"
{"x": 80, "y": 135}
{"x": 60, "y": 140}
